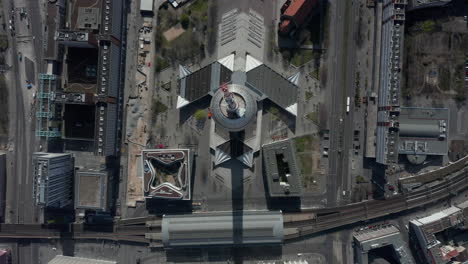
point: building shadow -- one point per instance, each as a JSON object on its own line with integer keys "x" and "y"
{"x": 160, "y": 207}
{"x": 237, "y": 194}
{"x": 189, "y": 110}
{"x": 430, "y": 161}
{"x": 379, "y": 180}
{"x": 232, "y": 255}
{"x": 281, "y": 114}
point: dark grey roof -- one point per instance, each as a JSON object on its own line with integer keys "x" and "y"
{"x": 111, "y": 130}
{"x": 281, "y": 169}
{"x": 423, "y": 131}
{"x": 201, "y": 82}
{"x": 114, "y": 74}
{"x": 224, "y": 228}
{"x": 234, "y": 147}
{"x": 91, "y": 189}
{"x": 198, "y": 84}
{"x": 276, "y": 87}
{"x": 116, "y": 18}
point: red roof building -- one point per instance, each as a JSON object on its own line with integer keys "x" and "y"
{"x": 295, "y": 14}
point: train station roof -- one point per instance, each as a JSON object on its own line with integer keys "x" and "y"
{"x": 76, "y": 260}
{"x": 423, "y": 131}
{"x": 222, "y": 228}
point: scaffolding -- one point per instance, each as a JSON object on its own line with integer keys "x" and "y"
{"x": 47, "y": 84}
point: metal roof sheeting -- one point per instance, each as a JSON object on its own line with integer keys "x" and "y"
{"x": 111, "y": 130}
{"x": 276, "y": 87}
{"x": 439, "y": 215}
{"x": 114, "y": 68}
{"x": 75, "y": 260}
{"x": 420, "y": 130}
{"x": 224, "y": 228}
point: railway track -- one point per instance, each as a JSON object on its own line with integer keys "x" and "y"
{"x": 296, "y": 225}
{"x": 329, "y": 218}
{"x": 127, "y": 233}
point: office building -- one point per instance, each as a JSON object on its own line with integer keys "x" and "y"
{"x": 53, "y": 179}
{"x": 368, "y": 239}
{"x": 440, "y": 237}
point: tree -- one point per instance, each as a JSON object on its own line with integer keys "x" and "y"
{"x": 185, "y": 21}
{"x": 200, "y": 115}
{"x": 360, "y": 179}
{"x": 286, "y": 55}
{"x": 428, "y": 26}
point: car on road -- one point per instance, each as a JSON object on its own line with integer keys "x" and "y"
{"x": 174, "y": 3}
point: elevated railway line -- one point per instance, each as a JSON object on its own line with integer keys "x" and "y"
{"x": 329, "y": 218}
{"x": 296, "y": 224}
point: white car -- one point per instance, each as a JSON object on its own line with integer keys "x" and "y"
{"x": 174, "y": 3}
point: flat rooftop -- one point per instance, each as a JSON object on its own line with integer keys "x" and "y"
{"x": 281, "y": 169}
{"x": 85, "y": 14}
{"x": 90, "y": 189}
{"x": 79, "y": 121}
{"x": 423, "y": 131}
{"x": 417, "y": 4}
{"x": 371, "y": 234}
{"x": 167, "y": 173}
{"x": 82, "y": 70}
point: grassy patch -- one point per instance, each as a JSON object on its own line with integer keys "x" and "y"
{"x": 160, "y": 64}
{"x": 158, "y": 108}
{"x": 199, "y": 7}
{"x": 459, "y": 85}
{"x": 3, "y": 43}
{"x": 428, "y": 26}
{"x": 357, "y": 92}
{"x": 308, "y": 95}
{"x": 313, "y": 116}
{"x": 444, "y": 79}
{"x": 3, "y": 106}
{"x": 305, "y": 143}
{"x": 302, "y": 56}
{"x": 167, "y": 18}
{"x": 275, "y": 113}
{"x": 360, "y": 179}
{"x": 305, "y": 160}
{"x": 315, "y": 74}
{"x": 183, "y": 48}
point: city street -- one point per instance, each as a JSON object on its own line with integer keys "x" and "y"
{"x": 27, "y": 40}
{"x": 341, "y": 85}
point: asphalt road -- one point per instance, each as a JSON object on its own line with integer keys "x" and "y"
{"x": 341, "y": 86}
{"x": 21, "y": 207}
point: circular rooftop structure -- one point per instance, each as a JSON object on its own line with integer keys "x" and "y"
{"x": 416, "y": 159}
{"x": 233, "y": 107}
